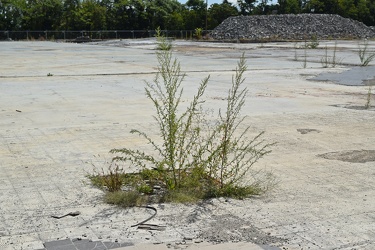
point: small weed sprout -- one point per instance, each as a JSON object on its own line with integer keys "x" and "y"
{"x": 196, "y": 158}
{"x": 49, "y": 74}
{"x": 304, "y": 63}
{"x": 328, "y": 61}
{"x": 162, "y": 42}
{"x": 325, "y": 59}
{"x": 295, "y": 52}
{"x": 365, "y": 56}
{"x": 110, "y": 180}
{"x": 313, "y": 43}
{"x": 369, "y": 94}
{"x": 335, "y": 60}
{"x": 198, "y": 33}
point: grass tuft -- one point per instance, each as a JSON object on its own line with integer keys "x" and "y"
{"x": 365, "y": 56}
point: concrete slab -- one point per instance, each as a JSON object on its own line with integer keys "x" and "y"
{"x": 64, "y": 106}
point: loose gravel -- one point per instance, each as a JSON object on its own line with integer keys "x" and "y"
{"x": 291, "y": 27}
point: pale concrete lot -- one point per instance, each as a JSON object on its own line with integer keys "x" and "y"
{"x": 52, "y": 127}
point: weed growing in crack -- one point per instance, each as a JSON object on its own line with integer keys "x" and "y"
{"x": 110, "y": 179}
{"x": 365, "y": 56}
{"x": 330, "y": 61}
{"x": 162, "y": 42}
{"x": 198, "y": 33}
{"x": 295, "y": 52}
{"x": 368, "y": 100}
{"x": 325, "y": 61}
{"x": 195, "y": 158}
{"x": 304, "y": 63}
{"x": 313, "y": 43}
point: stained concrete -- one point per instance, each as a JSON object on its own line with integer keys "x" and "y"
{"x": 356, "y": 76}
{"x": 64, "y": 106}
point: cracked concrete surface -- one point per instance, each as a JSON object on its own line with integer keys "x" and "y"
{"x": 53, "y": 126}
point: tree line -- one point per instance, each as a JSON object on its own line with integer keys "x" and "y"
{"x": 166, "y": 14}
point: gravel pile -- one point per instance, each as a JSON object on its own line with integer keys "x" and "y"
{"x": 291, "y": 27}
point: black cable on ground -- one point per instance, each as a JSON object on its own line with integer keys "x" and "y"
{"x": 152, "y": 216}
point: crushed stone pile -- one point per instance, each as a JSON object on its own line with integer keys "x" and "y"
{"x": 291, "y": 27}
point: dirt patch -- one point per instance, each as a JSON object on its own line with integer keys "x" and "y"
{"x": 229, "y": 228}
{"x": 354, "y": 156}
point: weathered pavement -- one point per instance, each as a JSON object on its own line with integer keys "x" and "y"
{"x": 53, "y": 127}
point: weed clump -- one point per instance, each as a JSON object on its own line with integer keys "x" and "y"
{"x": 196, "y": 157}
{"x": 330, "y": 61}
{"x": 313, "y": 43}
{"x": 365, "y": 56}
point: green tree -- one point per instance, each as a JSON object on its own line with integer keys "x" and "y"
{"x": 347, "y": 8}
{"x": 217, "y": 13}
{"x": 322, "y": 6}
{"x": 129, "y": 14}
{"x": 366, "y": 12}
{"x": 42, "y": 15}
{"x": 91, "y": 15}
{"x": 195, "y": 5}
{"x": 110, "y": 17}
{"x": 175, "y": 21}
{"x": 246, "y": 6}
{"x": 195, "y": 14}
{"x": 159, "y": 12}
{"x": 69, "y": 18}
{"x": 289, "y": 6}
{"x": 11, "y": 13}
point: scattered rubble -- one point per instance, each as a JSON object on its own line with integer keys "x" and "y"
{"x": 291, "y": 27}
{"x": 229, "y": 228}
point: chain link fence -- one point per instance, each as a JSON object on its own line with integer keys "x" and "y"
{"x": 93, "y": 35}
